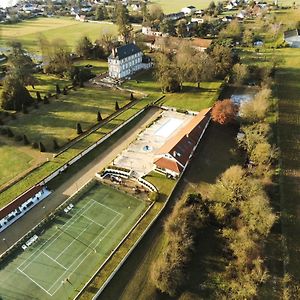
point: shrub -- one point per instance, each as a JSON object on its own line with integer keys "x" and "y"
{"x": 25, "y": 140}
{"x": 9, "y": 132}
{"x": 46, "y": 101}
{"x": 79, "y": 129}
{"x": 18, "y": 138}
{"x": 42, "y": 147}
{"x": 3, "y": 131}
{"x": 1, "y": 122}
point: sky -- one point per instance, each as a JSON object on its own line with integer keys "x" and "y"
{"x": 5, "y": 3}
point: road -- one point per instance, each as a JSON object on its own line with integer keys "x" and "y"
{"x": 12, "y": 234}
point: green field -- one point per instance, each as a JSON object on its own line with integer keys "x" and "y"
{"x": 68, "y": 253}
{"x": 58, "y": 119}
{"x": 63, "y": 28}
{"x": 177, "y": 5}
{"x": 191, "y": 98}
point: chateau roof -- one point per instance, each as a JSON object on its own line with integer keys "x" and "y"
{"x": 125, "y": 51}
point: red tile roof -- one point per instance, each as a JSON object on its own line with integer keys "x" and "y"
{"x": 19, "y": 201}
{"x": 169, "y": 164}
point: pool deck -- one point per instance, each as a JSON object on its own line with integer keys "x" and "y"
{"x": 136, "y": 158}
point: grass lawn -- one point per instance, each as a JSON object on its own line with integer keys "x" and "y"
{"x": 191, "y": 98}
{"x": 73, "y": 247}
{"x": 58, "y": 119}
{"x": 13, "y": 162}
{"x": 99, "y": 66}
{"x": 215, "y": 154}
{"x": 63, "y": 28}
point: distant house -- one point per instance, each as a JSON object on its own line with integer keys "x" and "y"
{"x": 136, "y": 7}
{"x": 227, "y": 18}
{"x": 174, "y": 16}
{"x": 292, "y": 38}
{"x": 176, "y": 153}
{"x": 124, "y": 61}
{"x": 201, "y": 44}
{"x": 189, "y": 10}
{"x": 81, "y": 18}
{"x": 148, "y": 30}
{"x": 197, "y": 19}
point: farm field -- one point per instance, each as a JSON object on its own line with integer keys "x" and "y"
{"x": 69, "y": 252}
{"x": 177, "y": 5}
{"x": 63, "y": 28}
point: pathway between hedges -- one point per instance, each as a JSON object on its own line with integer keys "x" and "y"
{"x": 70, "y": 186}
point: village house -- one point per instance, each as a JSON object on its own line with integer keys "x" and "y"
{"x": 125, "y": 60}
{"x": 174, "y": 16}
{"x": 189, "y": 10}
{"x": 292, "y": 38}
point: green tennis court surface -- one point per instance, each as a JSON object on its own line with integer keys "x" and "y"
{"x": 67, "y": 254}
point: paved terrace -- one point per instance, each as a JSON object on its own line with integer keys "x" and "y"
{"x": 139, "y": 156}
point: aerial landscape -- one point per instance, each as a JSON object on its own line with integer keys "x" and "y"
{"x": 149, "y": 149}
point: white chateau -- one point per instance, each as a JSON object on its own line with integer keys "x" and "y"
{"x": 124, "y": 61}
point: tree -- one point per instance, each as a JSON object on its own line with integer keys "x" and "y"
{"x": 223, "y": 60}
{"x": 181, "y": 28}
{"x": 122, "y": 21}
{"x": 38, "y": 96}
{"x": 240, "y": 73}
{"x": 248, "y": 37}
{"x": 84, "y": 47}
{"x": 99, "y": 117}
{"x": 224, "y": 112}
{"x": 25, "y": 140}
{"x": 46, "y": 100}
{"x": 263, "y": 153}
{"x": 55, "y": 145}
{"x": 14, "y": 95}
{"x": 155, "y": 13}
{"x": 233, "y": 31}
{"x": 168, "y": 27}
{"x": 202, "y": 68}
{"x": 117, "y": 106}
{"x": 79, "y": 129}
{"x": 257, "y": 108}
{"x": 58, "y": 91}
{"x": 131, "y": 97}
{"x": 21, "y": 66}
{"x": 42, "y": 147}
{"x": 101, "y": 13}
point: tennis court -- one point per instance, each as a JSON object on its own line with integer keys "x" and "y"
{"x": 67, "y": 254}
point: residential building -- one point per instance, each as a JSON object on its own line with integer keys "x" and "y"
{"x": 174, "y": 16}
{"x": 189, "y": 10}
{"x": 175, "y": 154}
{"x": 124, "y": 61}
{"x": 292, "y": 38}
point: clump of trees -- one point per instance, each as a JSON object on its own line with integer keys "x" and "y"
{"x": 242, "y": 208}
{"x": 168, "y": 272}
{"x": 189, "y": 65}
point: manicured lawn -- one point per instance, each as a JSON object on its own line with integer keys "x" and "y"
{"x": 63, "y": 28}
{"x": 193, "y": 98}
{"x": 58, "y": 119}
{"x": 13, "y": 162}
{"x": 99, "y": 66}
{"x": 73, "y": 247}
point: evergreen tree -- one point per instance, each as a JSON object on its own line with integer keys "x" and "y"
{"x": 42, "y": 147}
{"x": 79, "y": 129}
{"x": 25, "y": 140}
{"x": 99, "y": 117}
{"x": 55, "y": 144}
{"x": 58, "y": 91}
{"x": 131, "y": 97}
{"x": 117, "y": 106}
{"x": 84, "y": 47}
{"x": 38, "y": 96}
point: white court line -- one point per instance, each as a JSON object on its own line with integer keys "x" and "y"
{"x": 70, "y": 221}
{"x": 73, "y": 241}
{"x": 34, "y": 282}
{"x": 81, "y": 255}
{"x": 94, "y": 221}
{"x": 88, "y": 253}
{"x": 54, "y": 260}
{"x": 108, "y": 208}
